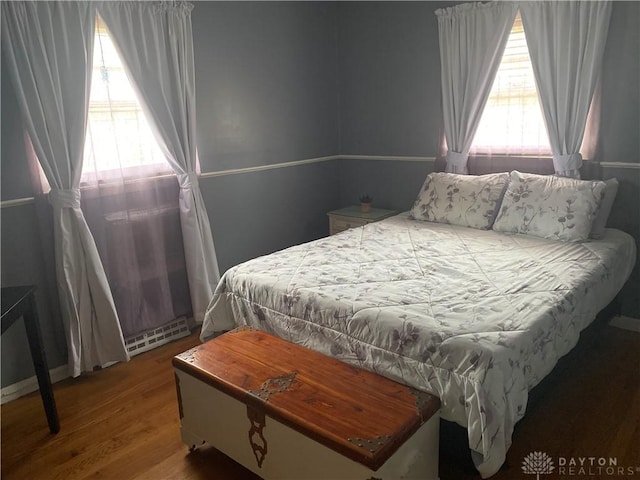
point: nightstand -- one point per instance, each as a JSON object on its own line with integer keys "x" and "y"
{"x": 350, "y": 217}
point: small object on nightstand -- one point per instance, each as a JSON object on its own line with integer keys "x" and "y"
{"x": 365, "y": 203}
{"x": 350, "y": 217}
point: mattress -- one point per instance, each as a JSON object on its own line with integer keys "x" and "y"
{"x": 475, "y": 317}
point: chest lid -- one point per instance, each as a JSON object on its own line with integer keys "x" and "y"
{"x": 357, "y": 413}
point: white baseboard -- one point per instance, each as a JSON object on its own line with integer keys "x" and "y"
{"x": 28, "y": 385}
{"x": 626, "y": 323}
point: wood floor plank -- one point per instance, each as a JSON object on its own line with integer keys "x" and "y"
{"x": 122, "y": 423}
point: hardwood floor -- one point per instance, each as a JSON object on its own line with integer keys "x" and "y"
{"x": 122, "y": 422}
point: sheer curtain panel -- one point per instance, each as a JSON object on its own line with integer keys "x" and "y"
{"x": 49, "y": 47}
{"x": 155, "y": 42}
{"x": 566, "y": 43}
{"x": 472, "y": 39}
{"x": 136, "y": 227}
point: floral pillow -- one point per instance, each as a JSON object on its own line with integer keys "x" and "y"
{"x": 549, "y": 207}
{"x": 467, "y": 200}
{"x": 600, "y": 222}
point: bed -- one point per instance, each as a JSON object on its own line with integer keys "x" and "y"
{"x": 476, "y": 317}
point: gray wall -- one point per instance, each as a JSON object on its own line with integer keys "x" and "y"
{"x": 279, "y": 82}
{"x": 254, "y": 214}
{"x": 620, "y": 130}
{"x": 15, "y": 181}
{"x": 267, "y": 93}
{"x": 390, "y": 104}
{"x": 266, "y": 82}
{"x": 620, "y": 126}
{"x": 389, "y": 78}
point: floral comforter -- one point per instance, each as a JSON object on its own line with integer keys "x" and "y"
{"x": 475, "y": 317}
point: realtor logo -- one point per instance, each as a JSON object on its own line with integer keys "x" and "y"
{"x": 537, "y": 463}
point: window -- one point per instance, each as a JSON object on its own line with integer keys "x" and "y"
{"x": 512, "y": 121}
{"x": 119, "y": 142}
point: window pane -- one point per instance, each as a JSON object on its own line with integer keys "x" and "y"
{"x": 119, "y": 141}
{"x": 512, "y": 120}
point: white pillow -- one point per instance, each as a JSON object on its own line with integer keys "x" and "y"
{"x": 599, "y": 224}
{"x": 547, "y": 206}
{"x": 467, "y": 200}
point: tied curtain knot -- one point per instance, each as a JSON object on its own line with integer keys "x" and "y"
{"x": 65, "y": 198}
{"x": 571, "y": 161}
{"x": 188, "y": 180}
{"x": 457, "y": 159}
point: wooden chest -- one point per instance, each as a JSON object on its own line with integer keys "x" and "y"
{"x": 287, "y": 412}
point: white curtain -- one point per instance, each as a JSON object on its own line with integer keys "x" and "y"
{"x": 472, "y": 40}
{"x": 155, "y": 42}
{"x": 566, "y": 42}
{"x": 49, "y": 47}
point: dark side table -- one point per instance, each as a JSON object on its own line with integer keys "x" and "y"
{"x": 21, "y": 302}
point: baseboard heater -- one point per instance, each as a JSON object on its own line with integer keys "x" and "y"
{"x": 162, "y": 335}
